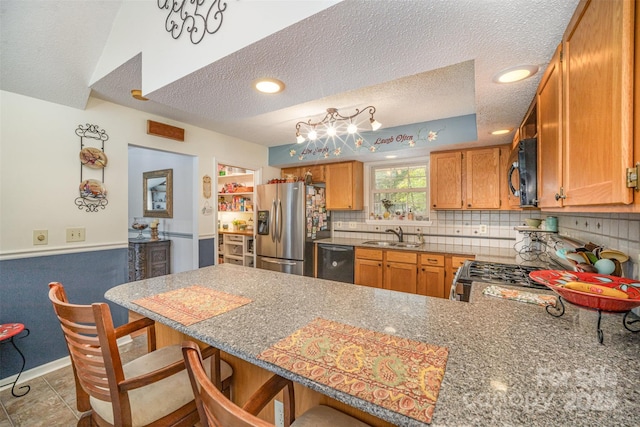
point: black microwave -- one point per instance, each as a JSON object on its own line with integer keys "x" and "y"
{"x": 523, "y": 172}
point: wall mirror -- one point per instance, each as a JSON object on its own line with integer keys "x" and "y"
{"x": 157, "y": 191}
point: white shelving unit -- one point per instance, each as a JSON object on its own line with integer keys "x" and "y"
{"x": 237, "y": 249}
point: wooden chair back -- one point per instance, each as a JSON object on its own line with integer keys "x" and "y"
{"x": 91, "y": 340}
{"x": 216, "y": 410}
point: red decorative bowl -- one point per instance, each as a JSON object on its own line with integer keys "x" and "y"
{"x": 555, "y": 279}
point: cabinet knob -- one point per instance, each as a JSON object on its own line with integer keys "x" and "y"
{"x": 434, "y": 206}
{"x": 423, "y": 269}
{"x": 469, "y": 205}
{"x": 379, "y": 265}
{"x": 560, "y": 196}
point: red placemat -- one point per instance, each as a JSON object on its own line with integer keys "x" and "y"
{"x": 193, "y": 304}
{"x": 393, "y": 372}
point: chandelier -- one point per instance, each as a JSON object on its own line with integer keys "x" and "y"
{"x": 333, "y": 124}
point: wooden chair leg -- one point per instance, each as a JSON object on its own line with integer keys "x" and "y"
{"x": 85, "y": 419}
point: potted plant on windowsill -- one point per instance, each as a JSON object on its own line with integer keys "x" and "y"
{"x": 387, "y": 205}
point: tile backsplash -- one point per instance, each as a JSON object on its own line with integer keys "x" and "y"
{"x": 615, "y": 231}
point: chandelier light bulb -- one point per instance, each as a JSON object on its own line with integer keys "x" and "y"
{"x": 312, "y": 135}
{"x": 352, "y": 128}
{"x": 375, "y": 125}
{"x": 331, "y": 131}
{"x": 299, "y": 139}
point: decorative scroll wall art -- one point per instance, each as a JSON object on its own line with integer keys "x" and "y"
{"x": 196, "y": 17}
{"x": 93, "y": 161}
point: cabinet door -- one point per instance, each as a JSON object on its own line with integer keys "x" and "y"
{"x": 507, "y": 200}
{"x": 317, "y": 173}
{"x": 344, "y": 186}
{"x": 549, "y": 97}
{"x": 289, "y": 171}
{"x": 598, "y": 94}
{"x": 483, "y": 179}
{"x": 399, "y": 276}
{"x": 431, "y": 281}
{"x": 368, "y": 272}
{"x": 446, "y": 180}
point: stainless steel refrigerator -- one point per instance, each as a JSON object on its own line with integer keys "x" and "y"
{"x": 290, "y": 217}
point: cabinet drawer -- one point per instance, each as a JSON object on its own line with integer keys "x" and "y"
{"x": 233, "y": 238}
{"x": 375, "y": 254}
{"x": 432, "y": 259}
{"x": 409, "y": 257}
{"x": 457, "y": 261}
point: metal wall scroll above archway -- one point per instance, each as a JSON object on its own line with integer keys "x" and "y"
{"x": 197, "y": 17}
{"x": 93, "y": 161}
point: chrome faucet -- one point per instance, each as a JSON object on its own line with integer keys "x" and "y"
{"x": 399, "y": 234}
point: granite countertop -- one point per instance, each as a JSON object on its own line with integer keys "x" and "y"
{"x": 510, "y": 363}
{"x": 481, "y": 253}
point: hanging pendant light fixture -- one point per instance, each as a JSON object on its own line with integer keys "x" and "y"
{"x": 332, "y": 124}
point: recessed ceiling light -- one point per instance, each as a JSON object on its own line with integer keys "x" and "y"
{"x": 392, "y": 156}
{"x": 137, "y": 94}
{"x": 501, "y": 131}
{"x": 268, "y": 85}
{"x": 515, "y": 74}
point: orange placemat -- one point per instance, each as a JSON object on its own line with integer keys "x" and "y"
{"x": 396, "y": 373}
{"x": 193, "y": 304}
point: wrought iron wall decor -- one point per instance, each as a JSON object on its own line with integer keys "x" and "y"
{"x": 197, "y": 17}
{"x": 93, "y": 194}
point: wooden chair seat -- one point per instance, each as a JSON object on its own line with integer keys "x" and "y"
{"x": 216, "y": 410}
{"x": 153, "y": 390}
{"x": 159, "y": 399}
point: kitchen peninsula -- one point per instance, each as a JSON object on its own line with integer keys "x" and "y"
{"x": 509, "y": 363}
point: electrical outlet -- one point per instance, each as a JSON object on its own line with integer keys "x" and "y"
{"x": 40, "y": 237}
{"x": 482, "y": 229}
{"x": 278, "y": 409}
{"x": 353, "y": 224}
{"x": 75, "y": 234}
{"x": 338, "y": 224}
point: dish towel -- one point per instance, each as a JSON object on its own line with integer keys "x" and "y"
{"x": 521, "y": 296}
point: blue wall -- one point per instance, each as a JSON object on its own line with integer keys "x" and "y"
{"x": 24, "y": 288}
{"x": 436, "y": 135}
{"x": 206, "y": 252}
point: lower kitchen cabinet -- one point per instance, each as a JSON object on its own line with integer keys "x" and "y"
{"x": 422, "y": 273}
{"x": 431, "y": 276}
{"x": 368, "y": 267}
{"x": 236, "y": 249}
{"x": 149, "y": 258}
{"x": 400, "y": 272}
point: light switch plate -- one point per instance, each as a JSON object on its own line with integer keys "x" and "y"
{"x": 75, "y": 234}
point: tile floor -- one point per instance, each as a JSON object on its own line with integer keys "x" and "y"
{"x": 51, "y": 400}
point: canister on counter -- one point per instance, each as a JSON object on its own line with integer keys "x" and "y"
{"x": 552, "y": 223}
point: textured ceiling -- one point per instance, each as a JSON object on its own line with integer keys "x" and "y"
{"x": 415, "y": 61}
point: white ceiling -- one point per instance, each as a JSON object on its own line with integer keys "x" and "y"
{"x": 414, "y": 60}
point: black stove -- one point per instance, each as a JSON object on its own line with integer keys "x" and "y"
{"x": 495, "y": 273}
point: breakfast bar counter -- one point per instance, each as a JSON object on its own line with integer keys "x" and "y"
{"x": 509, "y": 362}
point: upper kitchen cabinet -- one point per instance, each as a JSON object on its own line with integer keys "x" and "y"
{"x": 446, "y": 180}
{"x": 549, "y": 98}
{"x": 317, "y": 173}
{"x": 467, "y": 179}
{"x": 597, "y": 77}
{"x": 344, "y": 182}
{"x": 483, "y": 179}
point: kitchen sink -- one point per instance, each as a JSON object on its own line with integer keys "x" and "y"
{"x": 385, "y": 243}
{"x": 379, "y": 243}
{"x": 407, "y": 245}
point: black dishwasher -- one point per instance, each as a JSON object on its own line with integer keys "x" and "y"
{"x": 335, "y": 262}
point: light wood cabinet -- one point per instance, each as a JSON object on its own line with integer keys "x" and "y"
{"x": 284, "y": 172}
{"x": 467, "y": 179}
{"x": 483, "y": 179}
{"x": 549, "y": 98}
{"x": 368, "y": 269}
{"x": 344, "y": 183}
{"x": 509, "y": 201}
{"x": 446, "y": 180}
{"x": 431, "y": 275}
{"x": 400, "y": 272}
{"x": 317, "y": 172}
{"x": 598, "y": 61}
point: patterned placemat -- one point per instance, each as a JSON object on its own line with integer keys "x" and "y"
{"x": 521, "y": 296}
{"x": 396, "y": 373}
{"x": 193, "y": 304}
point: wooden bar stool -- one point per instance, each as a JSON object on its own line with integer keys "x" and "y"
{"x": 8, "y": 331}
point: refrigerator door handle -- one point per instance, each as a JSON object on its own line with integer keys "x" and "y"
{"x": 272, "y": 220}
{"x": 277, "y": 261}
{"x": 279, "y": 221}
